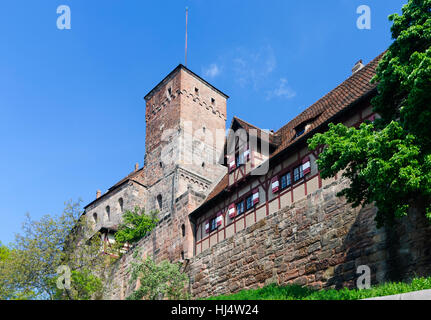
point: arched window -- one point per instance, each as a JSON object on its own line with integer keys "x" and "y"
{"x": 160, "y": 201}
{"x": 108, "y": 213}
{"x": 120, "y": 203}
{"x": 183, "y": 230}
{"x": 95, "y": 217}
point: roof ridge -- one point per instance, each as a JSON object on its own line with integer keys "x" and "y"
{"x": 350, "y": 78}
{"x": 246, "y": 122}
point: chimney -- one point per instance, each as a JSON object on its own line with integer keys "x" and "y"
{"x": 98, "y": 194}
{"x": 358, "y": 66}
{"x": 136, "y": 166}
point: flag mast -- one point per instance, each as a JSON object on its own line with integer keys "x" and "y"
{"x": 187, "y": 11}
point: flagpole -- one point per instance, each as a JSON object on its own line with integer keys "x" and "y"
{"x": 187, "y": 11}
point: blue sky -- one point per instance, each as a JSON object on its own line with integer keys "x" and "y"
{"x": 72, "y": 113}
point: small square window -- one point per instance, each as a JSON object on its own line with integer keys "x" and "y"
{"x": 297, "y": 173}
{"x": 239, "y": 159}
{"x": 249, "y": 202}
{"x": 286, "y": 180}
{"x": 240, "y": 208}
{"x": 213, "y": 224}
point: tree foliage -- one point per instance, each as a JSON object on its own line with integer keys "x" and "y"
{"x": 84, "y": 284}
{"x": 388, "y": 162}
{"x": 136, "y": 225}
{"x": 157, "y": 281}
{"x": 46, "y": 244}
{"x": 10, "y": 261}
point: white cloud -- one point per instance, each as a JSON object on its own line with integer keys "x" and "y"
{"x": 212, "y": 71}
{"x": 253, "y": 67}
{"x": 283, "y": 90}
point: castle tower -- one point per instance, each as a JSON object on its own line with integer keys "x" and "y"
{"x": 185, "y": 131}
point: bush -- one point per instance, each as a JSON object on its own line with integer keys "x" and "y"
{"x": 136, "y": 225}
{"x": 295, "y": 292}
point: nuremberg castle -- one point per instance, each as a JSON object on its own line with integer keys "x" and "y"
{"x": 245, "y": 207}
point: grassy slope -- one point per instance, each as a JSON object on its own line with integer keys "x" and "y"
{"x": 294, "y": 292}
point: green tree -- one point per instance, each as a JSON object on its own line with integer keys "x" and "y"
{"x": 10, "y": 281}
{"x": 53, "y": 241}
{"x": 157, "y": 281}
{"x": 388, "y": 162}
{"x": 136, "y": 225}
{"x": 84, "y": 284}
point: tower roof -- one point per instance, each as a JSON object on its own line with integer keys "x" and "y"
{"x": 173, "y": 72}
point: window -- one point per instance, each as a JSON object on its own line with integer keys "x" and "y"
{"x": 297, "y": 173}
{"x": 182, "y": 255}
{"x": 213, "y": 224}
{"x": 285, "y": 180}
{"x": 108, "y": 213}
{"x": 95, "y": 217}
{"x": 197, "y": 91}
{"x": 239, "y": 159}
{"x": 212, "y": 101}
{"x": 183, "y": 230}
{"x": 249, "y": 202}
{"x": 240, "y": 208}
{"x": 169, "y": 92}
{"x": 300, "y": 131}
{"x": 160, "y": 201}
{"x": 120, "y": 203}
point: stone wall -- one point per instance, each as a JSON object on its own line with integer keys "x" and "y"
{"x": 166, "y": 242}
{"x": 131, "y": 194}
{"x": 318, "y": 242}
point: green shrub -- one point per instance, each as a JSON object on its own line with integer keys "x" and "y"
{"x": 295, "y": 292}
{"x": 136, "y": 225}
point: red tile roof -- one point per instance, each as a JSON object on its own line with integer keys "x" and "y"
{"x": 247, "y": 127}
{"x": 348, "y": 92}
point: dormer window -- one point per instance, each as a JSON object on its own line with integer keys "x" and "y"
{"x": 299, "y": 130}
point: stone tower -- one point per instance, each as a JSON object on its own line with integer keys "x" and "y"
{"x": 185, "y": 132}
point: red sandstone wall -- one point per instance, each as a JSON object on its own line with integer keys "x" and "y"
{"x": 318, "y": 242}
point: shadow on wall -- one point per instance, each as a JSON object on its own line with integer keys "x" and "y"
{"x": 392, "y": 254}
